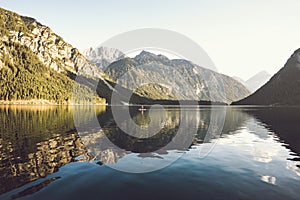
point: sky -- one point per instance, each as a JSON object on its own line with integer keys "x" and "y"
{"x": 242, "y": 37}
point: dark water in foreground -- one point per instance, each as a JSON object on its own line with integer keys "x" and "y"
{"x": 200, "y": 153}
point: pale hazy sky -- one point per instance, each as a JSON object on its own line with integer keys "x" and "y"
{"x": 242, "y": 37}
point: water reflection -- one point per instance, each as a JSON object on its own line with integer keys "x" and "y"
{"x": 37, "y": 141}
{"x": 284, "y": 121}
{"x": 178, "y": 129}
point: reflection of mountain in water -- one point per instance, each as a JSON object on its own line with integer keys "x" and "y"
{"x": 35, "y": 143}
{"x": 179, "y": 130}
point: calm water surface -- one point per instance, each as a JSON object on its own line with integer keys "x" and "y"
{"x": 218, "y": 153}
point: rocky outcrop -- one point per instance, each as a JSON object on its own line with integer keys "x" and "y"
{"x": 50, "y": 48}
{"x": 103, "y": 56}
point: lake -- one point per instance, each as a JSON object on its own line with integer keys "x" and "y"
{"x": 119, "y": 152}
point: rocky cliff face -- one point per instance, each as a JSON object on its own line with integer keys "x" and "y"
{"x": 281, "y": 89}
{"x": 50, "y": 48}
{"x": 103, "y": 56}
{"x": 179, "y": 79}
{"x": 35, "y": 63}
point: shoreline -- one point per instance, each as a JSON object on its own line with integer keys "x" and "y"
{"x": 41, "y": 102}
{"x": 28, "y": 102}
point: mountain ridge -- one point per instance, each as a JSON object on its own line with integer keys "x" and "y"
{"x": 37, "y": 64}
{"x": 204, "y": 82}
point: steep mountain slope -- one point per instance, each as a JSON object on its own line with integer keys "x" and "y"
{"x": 281, "y": 89}
{"x": 179, "y": 79}
{"x": 35, "y": 63}
{"x": 50, "y": 48}
{"x": 103, "y": 56}
{"x": 258, "y": 80}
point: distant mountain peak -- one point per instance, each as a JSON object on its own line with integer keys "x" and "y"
{"x": 262, "y": 73}
{"x": 281, "y": 89}
{"x": 144, "y": 53}
{"x": 255, "y": 81}
{"x": 103, "y": 56}
{"x": 145, "y": 57}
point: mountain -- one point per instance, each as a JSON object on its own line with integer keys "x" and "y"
{"x": 281, "y": 89}
{"x": 239, "y": 80}
{"x": 38, "y": 66}
{"x": 35, "y": 63}
{"x": 103, "y": 56}
{"x": 177, "y": 79}
{"x": 257, "y": 80}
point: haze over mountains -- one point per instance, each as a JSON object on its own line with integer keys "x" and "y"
{"x": 255, "y": 81}
{"x": 281, "y": 89}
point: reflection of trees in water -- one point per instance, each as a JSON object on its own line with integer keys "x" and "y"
{"x": 142, "y": 119}
{"x": 35, "y": 142}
